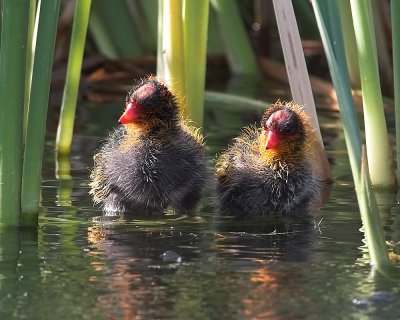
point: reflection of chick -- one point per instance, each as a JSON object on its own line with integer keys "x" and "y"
{"x": 154, "y": 160}
{"x": 267, "y": 170}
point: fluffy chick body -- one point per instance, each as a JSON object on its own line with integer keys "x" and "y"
{"x": 253, "y": 180}
{"x": 150, "y": 166}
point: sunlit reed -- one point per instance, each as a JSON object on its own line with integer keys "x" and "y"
{"x": 68, "y": 107}
{"x": 378, "y": 150}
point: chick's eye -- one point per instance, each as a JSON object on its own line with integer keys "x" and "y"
{"x": 147, "y": 103}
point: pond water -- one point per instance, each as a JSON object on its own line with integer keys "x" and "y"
{"x": 80, "y": 264}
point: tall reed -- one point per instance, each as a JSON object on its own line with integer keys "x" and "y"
{"x": 242, "y": 59}
{"x": 48, "y": 11}
{"x": 181, "y": 55}
{"x": 350, "y": 45}
{"x": 148, "y": 9}
{"x": 378, "y": 150}
{"x": 68, "y": 107}
{"x": 372, "y": 224}
{"x": 172, "y": 47}
{"x": 101, "y": 34}
{"x": 31, "y": 44}
{"x": 331, "y": 34}
{"x": 115, "y": 17}
{"x": 15, "y": 14}
{"x": 395, "y": 12}
{"x": 382, "y": 46}
{"x": 195, "y": 23}
{"x": 160, "y": 27}
{"x": 327, "y": 14}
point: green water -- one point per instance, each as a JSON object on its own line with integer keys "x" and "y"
{"x": 82, "y": 265}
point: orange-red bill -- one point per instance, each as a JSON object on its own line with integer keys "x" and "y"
{"x": 131, "y": 114}
{"x": 272, "y": 140}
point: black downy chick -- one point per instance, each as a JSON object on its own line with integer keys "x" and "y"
{"x": 268, "y": 170}
{"x": 154, "y": 160}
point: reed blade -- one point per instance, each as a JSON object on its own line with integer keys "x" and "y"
{"x": 242, "y": 59}
{"x": 395, "y": 9}
{"x": 195, "y": 22}
{"x": 14, "y": 30}
{"x": 326, "y": 14}
{"x": 48, "y": 12}
{"x": 378, "y": 149}
{"x": 172, "y": 48}
{"x": 70, "y": 96}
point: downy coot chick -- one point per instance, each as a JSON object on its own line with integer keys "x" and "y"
{"x": 267, "y": 169}
{"x": 153, "y": 160}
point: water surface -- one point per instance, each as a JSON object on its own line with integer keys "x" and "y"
{"x": 80, "y": 264}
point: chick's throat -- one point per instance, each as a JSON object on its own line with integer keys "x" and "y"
{"x": 134, "y": 133}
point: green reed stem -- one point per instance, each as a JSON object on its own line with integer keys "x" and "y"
{"x": 308, "y": 28}
{"x": 327, "y": 14}
{"x": 172, "y": 49}
{"x": 68, "y": 107}
{"x": 215, "y": 45}
{"x": 29, "y": 58}
{"x": 242, "y": 59}
{"x": 395, "y": 12}
{"x": 39, "y": 98}
{"x": 235, "y": 101}
{"x": 378, "y": 151}
{"x": 195, "y": 24}
{"x": 145, "y": 19}
{"x": 101, "y": 34}
{"x": 15, "y": 14}
{"x": 160, "y": 26}
{"x": 382, "y": 46}
{"x": 115, "y": 16}
{"x": 372, "y": 224}
{"x": 349, "y": 43}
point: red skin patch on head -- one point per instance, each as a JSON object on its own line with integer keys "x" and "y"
{"x": 272, "y": 137}
{"x": 144, "y": 91}
{"x": 134, "y": 110}
{"x": 280, "y": 116}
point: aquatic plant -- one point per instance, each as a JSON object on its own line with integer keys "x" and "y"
{"x": 327, "y": 13}
{"x": 377, "y": 141}
{"x": 240, "y": 54}
{"x": 70, "y": 96}
{"x": 182, "y": 53}
{"x": 395, "y": 11}
{"x": 37, "y": 108}
{"x": 15, "y": 14}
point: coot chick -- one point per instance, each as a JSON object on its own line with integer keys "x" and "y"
{"x": 267, "y": 169}
{"x": 154, "y": 160}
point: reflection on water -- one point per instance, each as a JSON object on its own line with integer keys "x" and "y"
{"x": 80, "y": 264}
